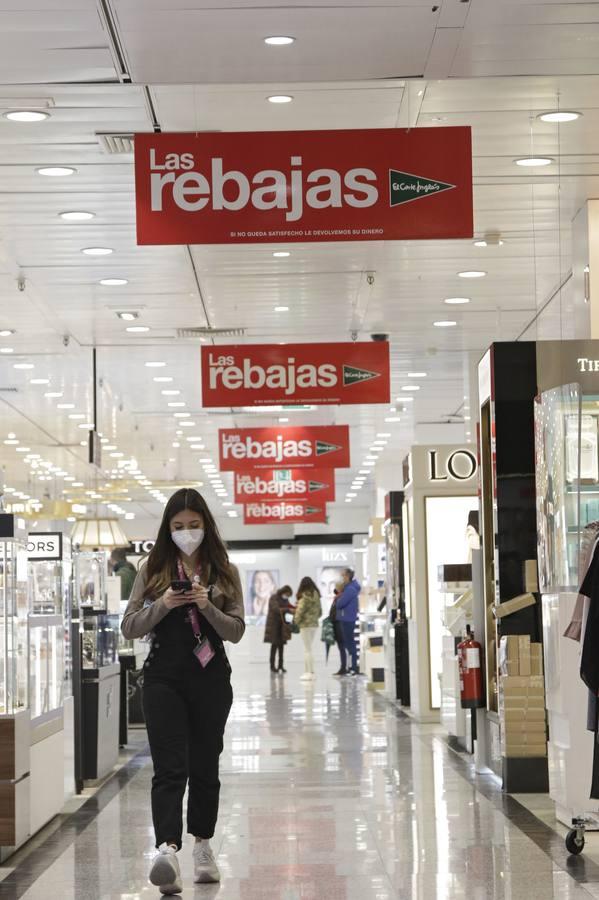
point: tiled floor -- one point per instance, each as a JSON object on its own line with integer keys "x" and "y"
{"x": 327, "y": 795}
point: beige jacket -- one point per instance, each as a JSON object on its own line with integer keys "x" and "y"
{"x": 224, "y": 612}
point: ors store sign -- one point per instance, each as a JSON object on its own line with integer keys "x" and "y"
{"x": 263, "y": 374}
{"x": 305, "y": 447}
{"x": 378, "y": 184}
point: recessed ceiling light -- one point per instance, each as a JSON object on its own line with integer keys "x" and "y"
{"x": 53, "y": 394}
{"x": 531, "y": 161}
{"x": 6, "y": 350}
{"x": 117, "y": 454}
{"x": 77, "y": 416}
{"x": 384, "y": 434}
{"x": 188, "y": 424}
{"x": 472, "y": 273}
{"x": 170, "y": 393}
{"x": 87, "y": 425}
{"x": 417, "y": 374}
{"x": 137, "y": 329}
{"x": 177, "y": 403}
{"x": 23, "y": 366}
{"x": 444, "y": 323}
{"x": 77, "y": 216}
{"x": 65, "y": 406}
{"x": 6, "y": 332}
{"x": 181, "y": 415}
{"x": 392, "y": 419}
{"x": 281, "y": 309}
{"x": 280, "y": 98}
{"x": 23, "y": 449}
{"x": 56, "y": 171}
{"x": 282, "y": 420}
{"x": 352, "y": 495}
{"x": 97, "y": 251}
{"x": 411, "y": 387}
{"x": 456, "y": 301}
{"x": 560, "y": 115}
{"x": 163, "y": 379}
{"x": 27, "y": 115}
{"x": 114, "y": 282}
{"x": 232, "y": 513}
{"x": 279, "y": 40}
{"x": 39, "y": 381}
{"x": 281, "y": 254}
{"x": 155, "y": 365}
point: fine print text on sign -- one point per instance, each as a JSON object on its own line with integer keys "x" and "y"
{"x": 284, "y": 511}
{"x": 279, "y": 186}
{"x": 305, "y": 447}
{"x": 313, "y": 485}
{"x": 263, "y": 374}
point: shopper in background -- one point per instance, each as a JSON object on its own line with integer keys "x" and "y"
{"x": 187, "y": 677}
{"x": 307, "y": 617}
{"x": 347, "y": 614}
{"x": 277, "y": 632}
{"x": 339, "y": 638}
{"x": 125, "y": 570}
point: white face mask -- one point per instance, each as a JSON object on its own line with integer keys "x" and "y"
{"x": 188, "y": 539}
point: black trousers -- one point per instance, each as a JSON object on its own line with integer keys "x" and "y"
{"x": 186, "y": 709}
{"x": 273, "y": 653}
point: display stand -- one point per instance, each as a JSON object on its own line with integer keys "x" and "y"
{"x": 50, "y": 674}
{"x": 567, "y": 457}
{"x": 397, "y": 654}
{"x": 15, "y": 728}
{"x": 440, "y": 487}
{"x": 100, "y": 669}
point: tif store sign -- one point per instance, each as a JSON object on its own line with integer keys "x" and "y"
{"x": 265, "y": 374}
{"x": 252, "y": 187}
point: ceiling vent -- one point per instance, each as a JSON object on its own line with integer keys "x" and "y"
{"x": 209, "y": 332}
{"x": 115, "y": 144}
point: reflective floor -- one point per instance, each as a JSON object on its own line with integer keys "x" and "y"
{"x": 327, "y": 795}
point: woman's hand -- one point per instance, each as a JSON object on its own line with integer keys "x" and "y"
{"x": 172, "y": 599}
{"x": 198, "y": 595}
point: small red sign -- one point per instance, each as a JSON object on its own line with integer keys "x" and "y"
{"x": 266, "y": 374}
{"x": 289, "y": 511}
{"x": 300, "y": 447}
{"x": 274, "y": 485}
{"x": 340, "y": 185}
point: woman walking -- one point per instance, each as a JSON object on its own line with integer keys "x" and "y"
{"x": 277, "y": 632}
{"x": 188, "y": 598}
{"x": 307, "y": 616}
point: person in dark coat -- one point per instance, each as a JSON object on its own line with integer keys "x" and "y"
{"x": 277, "y": 632}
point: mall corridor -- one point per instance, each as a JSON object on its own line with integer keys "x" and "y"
{"x": 327, "y": 795}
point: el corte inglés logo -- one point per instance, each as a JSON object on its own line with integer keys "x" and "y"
{"x": 405, "y": 187}
{"x": 323, "y": 447}
{"x": 353, "y": 375}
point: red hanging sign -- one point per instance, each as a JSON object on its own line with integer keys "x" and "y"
{"x": 274, "y": 485}
{"x": 286, "y": 511}
{"x": 266, "y": 374}
{"x": 301, "y": 447}
{"x": 281, "y": 186}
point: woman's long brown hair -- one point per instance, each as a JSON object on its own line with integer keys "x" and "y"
{"x": 161, "y": 566}
{"x": 307, "y": 586}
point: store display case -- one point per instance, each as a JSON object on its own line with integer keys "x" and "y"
{"x": 15, "y": 788}
{"x": 99, "y": 704}
{"x": 440, "y": 495}
{"x": 397, "y": 661}
{"x": 566, "y": 424}
{"x": 50, "y": 674}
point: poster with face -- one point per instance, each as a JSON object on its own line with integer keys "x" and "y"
{"x": 261, "y": 585}
{"x": 327, "y": 577}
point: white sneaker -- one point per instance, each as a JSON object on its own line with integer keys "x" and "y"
{"x": 306, "y": 677}
{"x": 165, "y": 872}
{"x": 204, "y": 864}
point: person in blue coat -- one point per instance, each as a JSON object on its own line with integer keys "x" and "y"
{"x": 347, "y": 606}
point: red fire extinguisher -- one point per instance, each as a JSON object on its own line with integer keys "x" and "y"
{"x": 471, "y": 673}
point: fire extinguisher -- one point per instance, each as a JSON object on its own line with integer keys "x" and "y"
{"x": 471, "y": 673}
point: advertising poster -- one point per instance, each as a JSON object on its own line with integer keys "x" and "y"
{"x": 285, "y": 484}
{"x": 266, "y": 374}
{"x": 341, "y": 185}
{"x": 305, "y": 447}
{"x": 261, "y": 584}
{"x": 283, "y": 512}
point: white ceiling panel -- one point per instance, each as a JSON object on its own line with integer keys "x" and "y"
{"x": 227, "y": 46}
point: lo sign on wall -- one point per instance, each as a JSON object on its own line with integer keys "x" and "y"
{"x": 265, "y": 374}
{"x": 280, "y": 186}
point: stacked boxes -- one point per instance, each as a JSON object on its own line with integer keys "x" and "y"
{"x": 522, "y": 697}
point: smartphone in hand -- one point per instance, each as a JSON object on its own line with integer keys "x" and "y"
{"x": 180, "y": 587}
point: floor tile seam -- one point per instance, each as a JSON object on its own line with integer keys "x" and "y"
{"x": 71, "y": 829}
{"x": 582, "y": 871}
